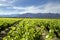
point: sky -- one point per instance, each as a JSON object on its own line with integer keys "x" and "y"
{"x": 8, "y": 7}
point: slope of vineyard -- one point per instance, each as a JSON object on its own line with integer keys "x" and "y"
{"x": 35, "y": 29}
{"x": 5, "y": 24}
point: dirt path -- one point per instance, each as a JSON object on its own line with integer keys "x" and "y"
{"x": 4, "y": 32}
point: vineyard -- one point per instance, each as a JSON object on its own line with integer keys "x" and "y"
{"x": 29, "y": 29}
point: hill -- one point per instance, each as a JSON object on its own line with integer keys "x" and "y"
{"x": 32, "y": 15}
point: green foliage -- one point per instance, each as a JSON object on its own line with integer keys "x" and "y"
{"x": 34, "y": 29}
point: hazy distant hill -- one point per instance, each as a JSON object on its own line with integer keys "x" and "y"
{"x": 37, "y": 15}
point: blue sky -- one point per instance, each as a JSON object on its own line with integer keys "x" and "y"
{"x": 29, "y": 6}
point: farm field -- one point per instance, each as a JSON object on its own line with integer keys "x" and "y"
{"x": 29, "y": 29}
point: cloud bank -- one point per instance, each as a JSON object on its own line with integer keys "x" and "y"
{"x": 7, "y": 7}
{"x": 46, "y": 8}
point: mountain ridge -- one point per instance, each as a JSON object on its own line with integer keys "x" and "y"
{"x": 32, "y": 15}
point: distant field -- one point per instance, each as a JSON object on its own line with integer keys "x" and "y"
{"x": 29, "y": 29}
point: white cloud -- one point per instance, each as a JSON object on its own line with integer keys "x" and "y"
{"x": 3, "y": 5}
{"x": 6, "y": 2}
{"x": 8, "y": 12}
{"x": 3, "y": 0}
{"x": 52, "y": 7}
{"x": 46, "y": 8}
